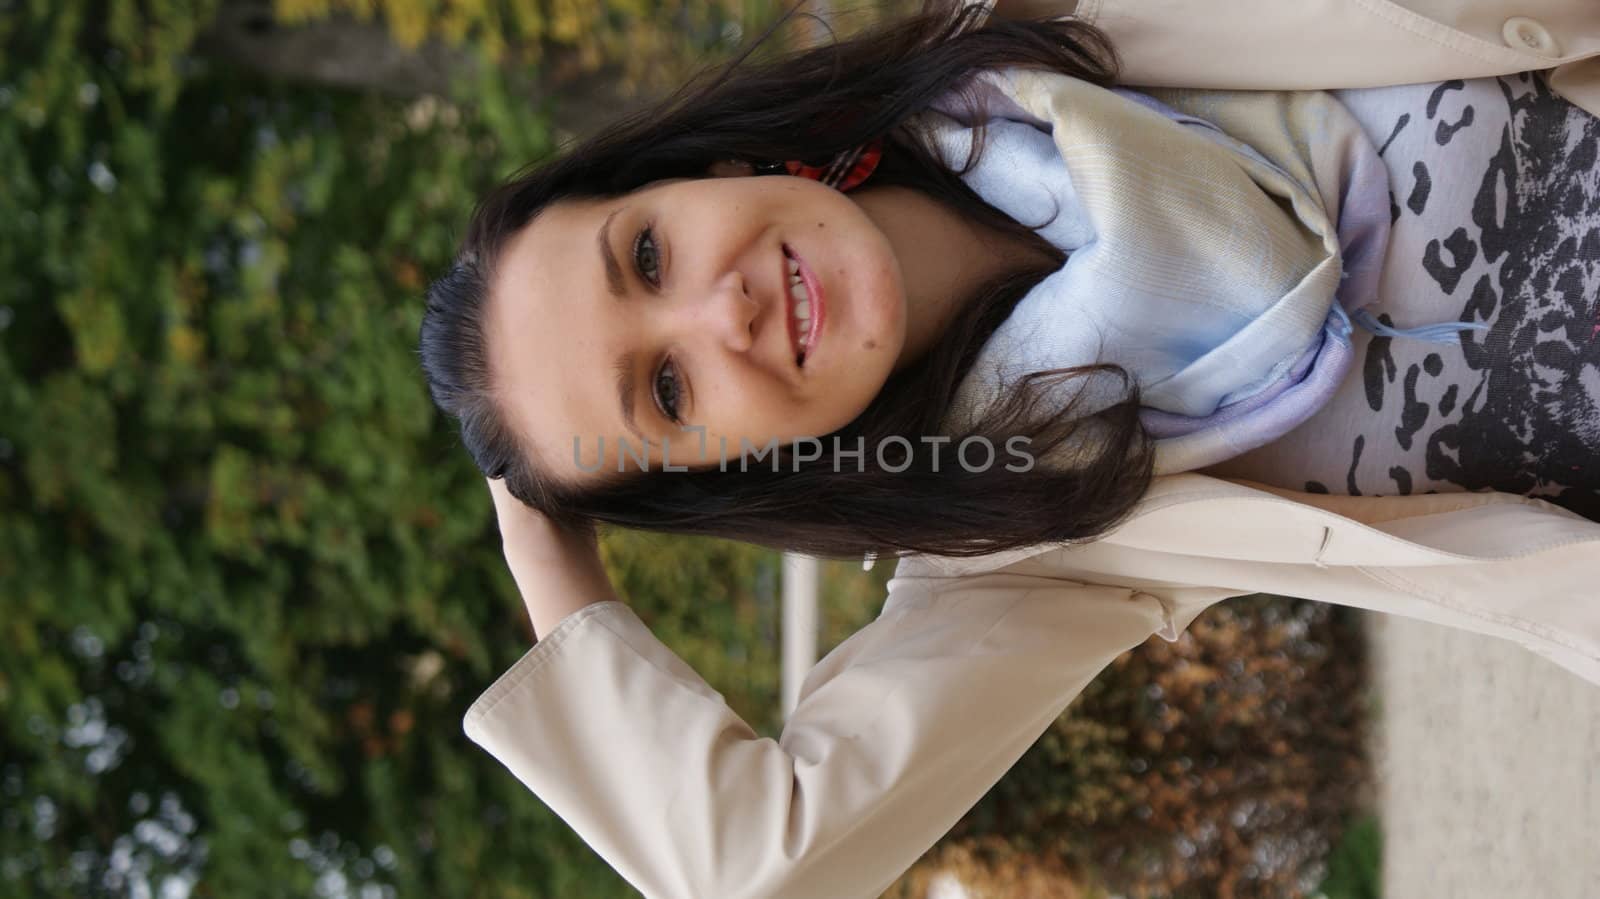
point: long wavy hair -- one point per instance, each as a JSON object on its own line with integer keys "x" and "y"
{"x": 810, "y": 105}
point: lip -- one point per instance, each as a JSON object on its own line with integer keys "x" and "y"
{"x": 814, "y": 294}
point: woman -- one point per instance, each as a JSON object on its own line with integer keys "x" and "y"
{"x": 1010, "y": 609}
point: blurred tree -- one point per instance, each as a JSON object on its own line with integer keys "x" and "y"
{"x": 250, "y": 581}
{"x": 602, "y": 58}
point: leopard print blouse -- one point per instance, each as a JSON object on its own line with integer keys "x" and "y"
{"x": 1495, "y": 200}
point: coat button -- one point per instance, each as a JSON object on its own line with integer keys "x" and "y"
{"x": 1524, "y": 33}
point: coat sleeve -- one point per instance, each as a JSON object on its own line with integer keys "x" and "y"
{"x": 897, "y": 733}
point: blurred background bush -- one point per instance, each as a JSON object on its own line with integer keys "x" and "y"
{"x": 251, "y": 582}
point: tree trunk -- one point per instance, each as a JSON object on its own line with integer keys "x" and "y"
{"x": 345, "y": 53}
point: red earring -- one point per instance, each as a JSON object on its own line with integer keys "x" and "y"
{"x": 843, "y": 172}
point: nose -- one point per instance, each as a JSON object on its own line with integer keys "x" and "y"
{"x": 728, "y": 314}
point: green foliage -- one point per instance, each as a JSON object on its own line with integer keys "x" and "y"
{"x": 1355, "y": 867}
{"x": 250, "y": 581}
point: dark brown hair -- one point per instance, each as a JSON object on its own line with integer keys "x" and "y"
{"x": 810, "y": 105}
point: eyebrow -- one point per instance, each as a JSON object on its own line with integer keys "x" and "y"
{"x": 624, "y": 366}
{"x": 613, "y": 270}
{"x": 624, "y": 370}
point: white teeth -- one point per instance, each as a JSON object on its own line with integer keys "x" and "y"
{"x": 802, "y": 304}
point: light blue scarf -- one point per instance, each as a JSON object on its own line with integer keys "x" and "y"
{"x": 1221, "y": 274}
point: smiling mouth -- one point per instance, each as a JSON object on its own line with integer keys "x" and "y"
{"x": 803, "y": 308}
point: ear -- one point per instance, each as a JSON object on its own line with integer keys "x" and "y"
{"x": 730, "y": 168}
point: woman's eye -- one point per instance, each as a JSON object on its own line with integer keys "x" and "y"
{"x": 647, "y": 260}
{"x": 667, "y": 399}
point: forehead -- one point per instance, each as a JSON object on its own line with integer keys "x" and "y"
{"x": 549, "y": 333}
{"x": 559, "y": 244}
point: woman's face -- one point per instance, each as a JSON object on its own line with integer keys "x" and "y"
{"x": 669, "y": 309}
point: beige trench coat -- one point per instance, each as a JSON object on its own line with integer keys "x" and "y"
{"x": 1327, "y": 44}
{"x": 911, "y": 720}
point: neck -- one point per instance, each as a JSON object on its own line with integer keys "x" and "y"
{"x": 944, "y": 258}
